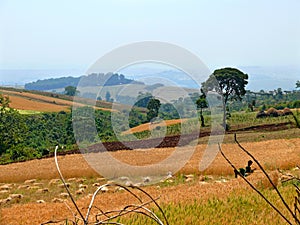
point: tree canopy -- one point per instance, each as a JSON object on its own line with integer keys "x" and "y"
{"x": 12, "y": 126}
{"x": 201, "y": 104}
{"x": 231, "y": 83}
{"x": 298, "y": 84}
{"x": 71, "y": 91}
{"x": 153, "y": 107}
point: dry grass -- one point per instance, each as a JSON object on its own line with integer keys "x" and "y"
{"x": 180, "y": 194}
{"x": 272, "y": 154}
{"x": 152, "y": 126}
{"x": 41, "y": 103}
{"x": 21, "y": 103}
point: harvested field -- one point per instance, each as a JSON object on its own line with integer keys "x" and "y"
{"x": 31, "y": 104}
{"x": 273, "y": 153}
{"x": 34, "y": 213}
{"x": 151, "y": 126}
{"x": 35, "y": 102}
{"x": 218, "y": 184}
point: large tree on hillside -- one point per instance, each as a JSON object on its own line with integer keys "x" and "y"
{"x": 231, "y": 83}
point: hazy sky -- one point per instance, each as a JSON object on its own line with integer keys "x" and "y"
{"x": 52, "y": 34}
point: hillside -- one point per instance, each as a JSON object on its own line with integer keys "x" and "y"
{"x": 94, "y": 79}
{"x": 36, "y": 101}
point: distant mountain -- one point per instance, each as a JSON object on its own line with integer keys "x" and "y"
{"x": 260, "y": 77}
{"x": 167, "y": 76}
{"x": 271, "y": 77}
{"x": 94, "y": 79}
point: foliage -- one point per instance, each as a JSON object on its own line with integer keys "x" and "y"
{"x": 263, "y": 100}
{"x": 12, "y": 126}
{"x": 202, "y": 104}
{"x": 231, "y": 83}
{"x": 53, "y": 83}
{"x": 168, "y": 111}
{"x": 108, "y": 97}
{"x": 143, "y": 99}
{"x": 298, "y": 84}
{"x": 93, "y": 79}
{"x": 71, "y": 91}
{"x": 153, "y": 108}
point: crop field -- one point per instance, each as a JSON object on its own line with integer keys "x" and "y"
{"x": 31, "y": 193}
{"x": 151, "y": 126}
{"x": 33, "y": 103}
{"x": 211, "y": 196}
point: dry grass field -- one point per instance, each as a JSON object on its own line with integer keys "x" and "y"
{"x": 218, "y": 182}
{"x": 39, "y": 103}
{"x": 272, "y": 154}
{"x": 152, "y": 126}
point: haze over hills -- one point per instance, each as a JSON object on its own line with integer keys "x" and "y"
{"x": 266, "y": 78}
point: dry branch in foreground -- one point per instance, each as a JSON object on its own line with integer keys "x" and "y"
{"x": 112, "y": 216}
{"x": 294, "y": 212}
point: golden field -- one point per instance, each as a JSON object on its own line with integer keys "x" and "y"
{"x": 219, "y": 181}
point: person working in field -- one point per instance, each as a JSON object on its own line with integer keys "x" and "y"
{"x": 245, "y": 171}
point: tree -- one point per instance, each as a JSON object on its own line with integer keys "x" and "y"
{"x": 229, "y": 82}
{"x": 71, "y": 91}
{"x": 201, "y": 104}
{"x": 298, "y": 84}
{"x": 143, "y": 99}
{"x": 153, "y": 108}
{"x": 12, "y": 126}
{"x": 108, "y": 97}
{"x": 278, "y": 93}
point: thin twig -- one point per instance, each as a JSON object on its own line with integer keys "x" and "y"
{"x": 291, "y": 177}
{"x": 99, "y": 189}
{"x": 134, "y": 210}
{"x": 65, "y": 185}
{"x": 268, "y": 177}
{"x": 252, "y": 186}
{"x": 157, "y": 205}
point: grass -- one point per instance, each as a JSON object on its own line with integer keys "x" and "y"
{"x": 28, "y": 112}
{"x": 251, "y": 136}
{"x": 232, "y": 202}
{"x": 242, "y": 207}
{"x": 184, "y": 203}
{"x": 237, "y": 121}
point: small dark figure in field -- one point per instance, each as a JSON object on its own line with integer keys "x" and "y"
{"x": 245, "y": 171}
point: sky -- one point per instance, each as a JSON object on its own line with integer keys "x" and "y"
{"x": 70, "y": 35}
